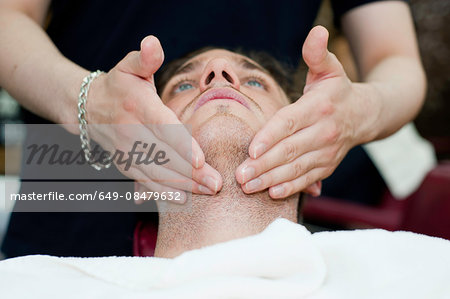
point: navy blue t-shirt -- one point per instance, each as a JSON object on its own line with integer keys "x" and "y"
{"x": 98, "y": 34}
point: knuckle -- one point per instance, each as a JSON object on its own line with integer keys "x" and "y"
{"x": 288, "y": 188}
{"x": 289, "y": 122}
{"x": 334, "y": 151}
{"x": 267, "y": 180}
{"x": 153, "y": 173}
{"x": 149, "y": 176}
{"x": 289, "y": 151}
{"x": 329, "y": 154}
{"x": 261, "y": 165}
{"x": 298, "y": 169}
{"x": 269, "y": 133}
{"x": 332, "y": 133}
{"x": 312, "y": 163}
{"x": 130, "y": 102}
{"x": 308, "y": 180}
{"x": 327, "y": 108}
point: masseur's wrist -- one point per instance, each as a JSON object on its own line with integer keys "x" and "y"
{"x": 368, "y": 100}
{"x": 73, "y": 76}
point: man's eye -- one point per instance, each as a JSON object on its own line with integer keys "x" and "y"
{"x": 183, "y": 87}
{"x": 254, "y": 83}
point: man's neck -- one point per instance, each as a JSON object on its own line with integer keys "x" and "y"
{"x": 231, "y": 213}
{"x": 221, "y": 218}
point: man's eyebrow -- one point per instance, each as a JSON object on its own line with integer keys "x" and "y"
{"x": 189, "y": 67}
{"x": 249, "y": 65}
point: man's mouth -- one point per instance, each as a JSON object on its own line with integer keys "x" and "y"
{"x": 221, "y": 94}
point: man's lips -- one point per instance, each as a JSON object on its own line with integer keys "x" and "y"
{"x": 221, "y": 94}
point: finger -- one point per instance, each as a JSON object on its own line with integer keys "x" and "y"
{"x": 167, "y": 177}
{"x": 209, "y": 177}
{"x": 146, "y": 62}
{"x": 284, "y": 173}
{"x": 316, "y": 55}
{"x": 151, "y": 159}
{"x": 167, "y": 127}
{"x": 286, "y": 189}
{"x": 147, "y": 149}
{"x": 158, "y": 152}
{"x": 151, "y": 56}
{"x": 314, "y": 189}
{"x": 285, "y": 151}
{"x": 285, "y": 122}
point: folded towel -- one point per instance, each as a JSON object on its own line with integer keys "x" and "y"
{"x": 403, "y": 160}
{"x": 284, "y": 261}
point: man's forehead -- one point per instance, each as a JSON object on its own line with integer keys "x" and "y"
{"x": 202, "y": 58}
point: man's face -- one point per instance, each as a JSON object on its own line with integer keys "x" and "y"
{"x": 219, "y": 82}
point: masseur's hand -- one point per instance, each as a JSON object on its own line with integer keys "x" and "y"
{"x": 126, "y": 100}
{"x": 304, "y": 142}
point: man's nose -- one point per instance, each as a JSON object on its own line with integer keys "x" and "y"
{"x": 218, "y": 72}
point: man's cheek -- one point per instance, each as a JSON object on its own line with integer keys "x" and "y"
{"x": 269, "y": 110}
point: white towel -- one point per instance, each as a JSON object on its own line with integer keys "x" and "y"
{"x": 403, "y": 160}
{"x": 284, "y": 261}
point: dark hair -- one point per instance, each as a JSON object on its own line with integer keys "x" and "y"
{"x": 281, "y": 73}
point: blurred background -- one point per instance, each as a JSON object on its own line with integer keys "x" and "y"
{"x": 425, "y": 211}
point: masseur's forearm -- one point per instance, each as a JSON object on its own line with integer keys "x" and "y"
{"x": 381, "y": 35}
{"x": 34, "y": 72}
{"x": 395, "y": 91}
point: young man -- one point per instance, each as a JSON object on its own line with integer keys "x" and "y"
{"x": 226, "y": 98}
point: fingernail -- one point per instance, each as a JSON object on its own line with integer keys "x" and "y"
{"x": 211, "y": 183}
{"x": 196, "y": 161}
{"x": 253, "y": 185}
{"x": 318, "y": 190}
{"x": 205, "y": 190}
{"x": 278, "y": 191}
{"x": 142, "y": 42}
{"x": 259, "y": 150}
{"x": 247, "y": 173}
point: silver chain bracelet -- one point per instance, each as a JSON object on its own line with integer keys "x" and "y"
{"x": 84, "y": 135}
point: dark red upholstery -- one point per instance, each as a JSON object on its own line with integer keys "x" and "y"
{"x": 429, "y": 211}
{"x": 426, "y": 211}
{"x": 144, "y": 241}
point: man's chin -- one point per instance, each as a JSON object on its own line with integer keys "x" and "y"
{"x": 224, "y": 138}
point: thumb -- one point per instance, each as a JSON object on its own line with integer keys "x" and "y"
{"x": 146, "y": 62}
{"x": 316, "y": 55}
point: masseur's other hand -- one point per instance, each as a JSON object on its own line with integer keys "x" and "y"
{"x": 304, "y": 142}
{"x": 127, "y": 95}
